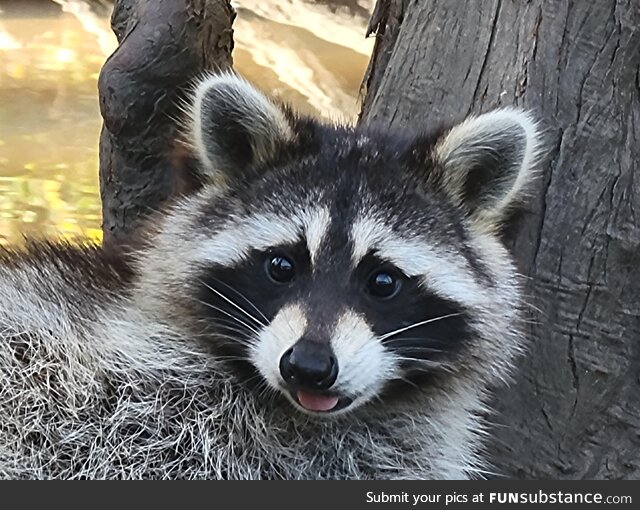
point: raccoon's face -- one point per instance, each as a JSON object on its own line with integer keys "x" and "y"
{"x": 340, "y": 266}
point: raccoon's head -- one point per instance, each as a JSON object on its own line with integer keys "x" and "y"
{"x": 342, "y": 266}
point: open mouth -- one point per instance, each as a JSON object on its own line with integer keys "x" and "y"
{"x": 324, "y": 403}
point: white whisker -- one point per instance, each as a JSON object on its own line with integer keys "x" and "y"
{"x": 234, "y": 304}
{"x": 249, "y": 302}
{"x": 415, "y": 325}
{"x": 237, "y": 319}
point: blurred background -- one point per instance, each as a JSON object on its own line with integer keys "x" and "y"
{"x": 311, "y": 53}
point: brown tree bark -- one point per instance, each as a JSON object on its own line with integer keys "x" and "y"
{"x": 164, "y": 44}
{"x": 574, "y": 408}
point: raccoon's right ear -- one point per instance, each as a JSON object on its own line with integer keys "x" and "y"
{"x": 234, "y": 126}
{"x": 486, "y": 162}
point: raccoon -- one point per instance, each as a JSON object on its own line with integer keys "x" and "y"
{"x": 330, "y": 302}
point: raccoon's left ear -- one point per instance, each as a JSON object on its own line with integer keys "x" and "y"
{"x": 485, "y": 163}
{"x": 234, "y": 126}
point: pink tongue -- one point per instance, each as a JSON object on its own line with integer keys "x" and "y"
{"x": 316, "y": 402}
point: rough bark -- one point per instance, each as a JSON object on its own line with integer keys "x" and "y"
{"x": 164, "y": 44}
{"x": 574, "y": 408}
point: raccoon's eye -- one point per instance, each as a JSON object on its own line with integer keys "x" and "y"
{"x": 383, "y": 284}
{"x": 280, "y": 269}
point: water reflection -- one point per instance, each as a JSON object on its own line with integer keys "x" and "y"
{"x": 312, "y": 54}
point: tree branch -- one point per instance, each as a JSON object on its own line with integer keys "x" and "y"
{"x": 164, "y": 44}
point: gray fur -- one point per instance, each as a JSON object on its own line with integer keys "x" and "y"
{"x": 112, "y": 392}
{"x": 106, "y": 373}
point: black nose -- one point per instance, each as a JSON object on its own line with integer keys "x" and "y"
{"x": 309, "y": 365}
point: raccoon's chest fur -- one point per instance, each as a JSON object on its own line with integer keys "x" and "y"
{"x": 69, "y": 414}
{"x": 101, "y": 390}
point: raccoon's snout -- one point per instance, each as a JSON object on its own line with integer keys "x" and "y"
{"x": 309, "y": 365}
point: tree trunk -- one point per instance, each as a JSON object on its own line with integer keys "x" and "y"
{"x": 164, "y": 44}
{"x": 573, "y": 410}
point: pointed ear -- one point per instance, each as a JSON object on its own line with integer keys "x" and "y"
{"x": 234, "y": 126}
{"x": 485, "y": 163}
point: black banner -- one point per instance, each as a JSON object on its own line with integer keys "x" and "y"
{"x": 333, "y": 495}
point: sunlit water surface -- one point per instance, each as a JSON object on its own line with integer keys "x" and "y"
{"x": 309, "y": 53}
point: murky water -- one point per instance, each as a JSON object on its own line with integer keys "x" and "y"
{"x": 311, "y": 53}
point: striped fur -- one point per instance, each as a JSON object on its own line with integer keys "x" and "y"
{"x": 167, "y": 363}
